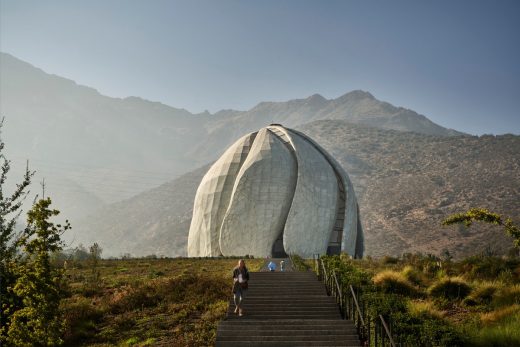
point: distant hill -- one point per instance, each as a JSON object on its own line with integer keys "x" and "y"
{"x": 95, "y": 150}
{"x": 406, "y": 184}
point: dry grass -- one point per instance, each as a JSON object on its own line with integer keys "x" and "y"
{"x": 507, "y": 295}
{"x": 174, "y": 302}
{"x": 498, "y": 315}
{"x": 394, "y": 282}
{"x": 424, "y": 309}
{"x": 450, "y": 288}
{"x": 483, "y": 293}
{"x": 413, "y": 275}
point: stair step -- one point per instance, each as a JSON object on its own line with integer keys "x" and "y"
{"x": 296, "y": 322}
{"x": 269, "y": 316}
{"x": 287, "y": 332}
{"x": 285, "y": 309}
{"x": 282, "y": 343}
{"x": 338, "y": 338}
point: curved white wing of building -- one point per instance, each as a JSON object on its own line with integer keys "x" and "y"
{"x": 275, "y": 192}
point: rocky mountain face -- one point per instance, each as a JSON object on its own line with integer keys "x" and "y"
{"x": 94, "y": 149}
{"x": 406, "y": 184}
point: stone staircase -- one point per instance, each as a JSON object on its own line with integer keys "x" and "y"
{"x": 286, "y": 309}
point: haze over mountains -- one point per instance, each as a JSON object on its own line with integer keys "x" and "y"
{"x": 95, "y": 150}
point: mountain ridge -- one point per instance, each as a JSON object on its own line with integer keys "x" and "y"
{"x": 113, "y": 149}
{"x": 406, "y": 184}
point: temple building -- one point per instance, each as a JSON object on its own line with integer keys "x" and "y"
{"x": 275, "y": 192}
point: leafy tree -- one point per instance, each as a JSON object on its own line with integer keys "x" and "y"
{"x": 483, "y": 215}
{"x": 10, "y": 209}
{"x": 38, "y": 322}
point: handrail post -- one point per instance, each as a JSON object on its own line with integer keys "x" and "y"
{"x": 338, "y": 295}
{"x": 389, "y": 335}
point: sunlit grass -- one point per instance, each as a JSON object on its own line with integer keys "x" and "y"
{"x": 176, "y": 302}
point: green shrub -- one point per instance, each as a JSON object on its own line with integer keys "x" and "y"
{"x": 502, "y": 332}
{"x": 394, "y": 282}
{"x": 412, "y": 275}
{"x": 487, "y": 267}
{"x": 424, "y": 309}
{"x": 482, "y": 294}
{"x": 346, "y": 272}
{"x": 389, "y": 260}
{"x": 412, "y": 330}
{"x": 298, "y": 263}
{"x": 384, "y": 304}
{"x": 507, "y": 295}
{"x": 80, "y": 319}
{"x": 450, "y": 288}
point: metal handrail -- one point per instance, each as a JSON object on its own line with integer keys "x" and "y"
{"x": 354, "y": 312}
{"x": 326, "y": 276}
{"x": 337, "y": 284}
{"x": 357, "y": 306}
{"x": 388, "y": 334}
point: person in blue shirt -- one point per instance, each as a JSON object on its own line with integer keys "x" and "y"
{"x": 271, "y": 266}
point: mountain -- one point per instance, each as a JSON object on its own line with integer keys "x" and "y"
{"x": 93, "y": 150}
{"x": 356, "y": 107}
{"x": 406, "y": 184}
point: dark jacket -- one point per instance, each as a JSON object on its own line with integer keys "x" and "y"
{"x": 245, "y": 275}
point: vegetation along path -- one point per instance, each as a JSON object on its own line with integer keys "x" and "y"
{"x": 286, "y": 309}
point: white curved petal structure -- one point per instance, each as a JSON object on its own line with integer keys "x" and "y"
{"x": 260, "y": 200}
{"x": 213, "y": 193}
{"x": 271, "y": 190}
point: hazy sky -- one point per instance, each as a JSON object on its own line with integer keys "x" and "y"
{"x": 457, "y": 62}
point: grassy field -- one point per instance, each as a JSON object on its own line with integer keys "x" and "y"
{"x": 179, "y": 302}
{"x": 141, "y": 302}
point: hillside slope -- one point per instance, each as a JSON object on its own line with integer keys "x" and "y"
{"x": 93, "y": 149}
{"x": 406, "y": 184}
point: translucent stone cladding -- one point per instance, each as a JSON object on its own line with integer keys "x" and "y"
{"x": 275, "y": 184}
{"x": 261, "y": 198}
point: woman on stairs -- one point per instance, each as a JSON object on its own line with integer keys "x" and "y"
{"x": 240, "y": 279}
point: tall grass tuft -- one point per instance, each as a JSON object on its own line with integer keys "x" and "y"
{"x": 501, "y": 328}
{"x": 483, "y": 293}
{"x": 394, "y": 282}
{"x": 424, "y": 309}
{"x": 450, "y": 288}
{"x": 413, "y": 275}
{"x": 507, "y": 295}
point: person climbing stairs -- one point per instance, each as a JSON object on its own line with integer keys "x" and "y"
{"x": 286, "y": 309}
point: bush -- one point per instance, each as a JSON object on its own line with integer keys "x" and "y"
{"x": 412, "y": 275}
{"x": 424, "y": 309}
{"x": 508, "y": 295}
{"x": 346, "y": 272}
{"x": 502, "y": 329}
{"x": 80, "y": 319}
{"x": 389, "y": 260}
{"x": 487, "y": 267}
{"x": 425, "y": 331}
{"x": 450, "y": 288}
{"x": 384, "y": 304}
{"x": 394, "y": 282}
{"x": 482, "y": 294}
{"x": 499, "y": 315}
